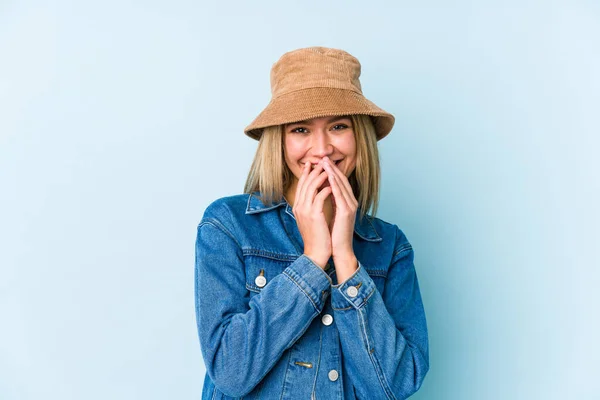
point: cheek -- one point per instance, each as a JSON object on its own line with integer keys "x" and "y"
{"x": 347, "y": 143}
{"x": 349, "y": 149}
{"x": 352, "y": 146}
{"x": 292, "y": 151}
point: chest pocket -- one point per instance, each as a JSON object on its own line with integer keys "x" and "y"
{"x": 262, "y": 266}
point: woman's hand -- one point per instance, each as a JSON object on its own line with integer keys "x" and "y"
{"x": 308, "y": 210}
{"x": 345, "y": 206}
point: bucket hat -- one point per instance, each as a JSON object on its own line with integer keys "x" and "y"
{"x": 317, "y": 82}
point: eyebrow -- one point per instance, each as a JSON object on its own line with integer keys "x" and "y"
{"x": 329, "y": 121}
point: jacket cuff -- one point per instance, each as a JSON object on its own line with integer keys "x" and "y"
{"x": 354, "y": 292}
{"x": 311, "y": 279}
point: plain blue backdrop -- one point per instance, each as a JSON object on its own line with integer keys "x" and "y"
{"x": 120, "y": 121}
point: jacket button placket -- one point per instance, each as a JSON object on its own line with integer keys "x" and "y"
{"x": 327, "y": 319}
{"x": 330, "y": 382}
{"x": 333, "y": 375}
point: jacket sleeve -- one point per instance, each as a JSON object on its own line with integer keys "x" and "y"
{"x": 383, "y": 337}
{"x": 242, "y": 338}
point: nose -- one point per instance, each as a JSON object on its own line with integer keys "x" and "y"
{"x": 321, "y": 145}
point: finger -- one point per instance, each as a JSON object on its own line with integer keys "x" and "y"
{"x": 313, "y": 187}
{"x": 309, "y": 187}
{"x": 321, "y": 196}
{"x": 302, "y": 189}
{"x": 303, "y": 176}
{"x": 343, "y": 198}
{"x": 344, "y": 182}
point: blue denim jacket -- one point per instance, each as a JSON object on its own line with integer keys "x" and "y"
{"x": 274, "y": 325}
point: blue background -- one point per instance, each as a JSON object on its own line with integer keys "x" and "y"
{"x": 120, "y": 121}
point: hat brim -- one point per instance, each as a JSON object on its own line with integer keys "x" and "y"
{"x": 319, "y": 102}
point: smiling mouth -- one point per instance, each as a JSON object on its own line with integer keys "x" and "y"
{"x": 337, "y": 162}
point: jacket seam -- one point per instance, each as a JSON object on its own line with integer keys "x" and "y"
{"x": 303, "y": 291}
{"x": 382, "y": 381}
{"x": 285, "y": 374}
{"x": 377, "y": 272}
{"x": 252, "y": 288}
{"x": 217, "y": 224}
{"x": 352, "y": 306}
{"x": 273, "y": 362}
{"x": 250, "y": 210}
{"x": 269, "y": 254}
{"x": 367, "y": 297}
{"x": 402, "y": 249}
{"x": 343, "y": 309}
{"x": 314, "y": 385}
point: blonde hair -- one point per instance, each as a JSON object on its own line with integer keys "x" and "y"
{"x": 270, "y": 175}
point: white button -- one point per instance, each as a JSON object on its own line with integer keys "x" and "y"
{"x": 333, "y": 375}
{"x": 260, "y": 281}
{"x": 352, "y": 291}
{"x": 327, "y": 319}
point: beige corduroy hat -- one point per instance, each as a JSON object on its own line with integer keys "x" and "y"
{"x": 317, "y": 82}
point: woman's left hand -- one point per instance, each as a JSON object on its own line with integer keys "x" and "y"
{"x": 345, "y": 206}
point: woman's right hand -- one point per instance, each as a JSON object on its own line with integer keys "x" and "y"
{"x": 308, "y": 210}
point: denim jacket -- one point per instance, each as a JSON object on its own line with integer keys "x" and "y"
{"x": 274, "y": 325}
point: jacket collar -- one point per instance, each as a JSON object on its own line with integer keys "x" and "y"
{"x": 363, "y": 229}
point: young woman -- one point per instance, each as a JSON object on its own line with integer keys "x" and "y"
{"x": 301, "y": 293}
